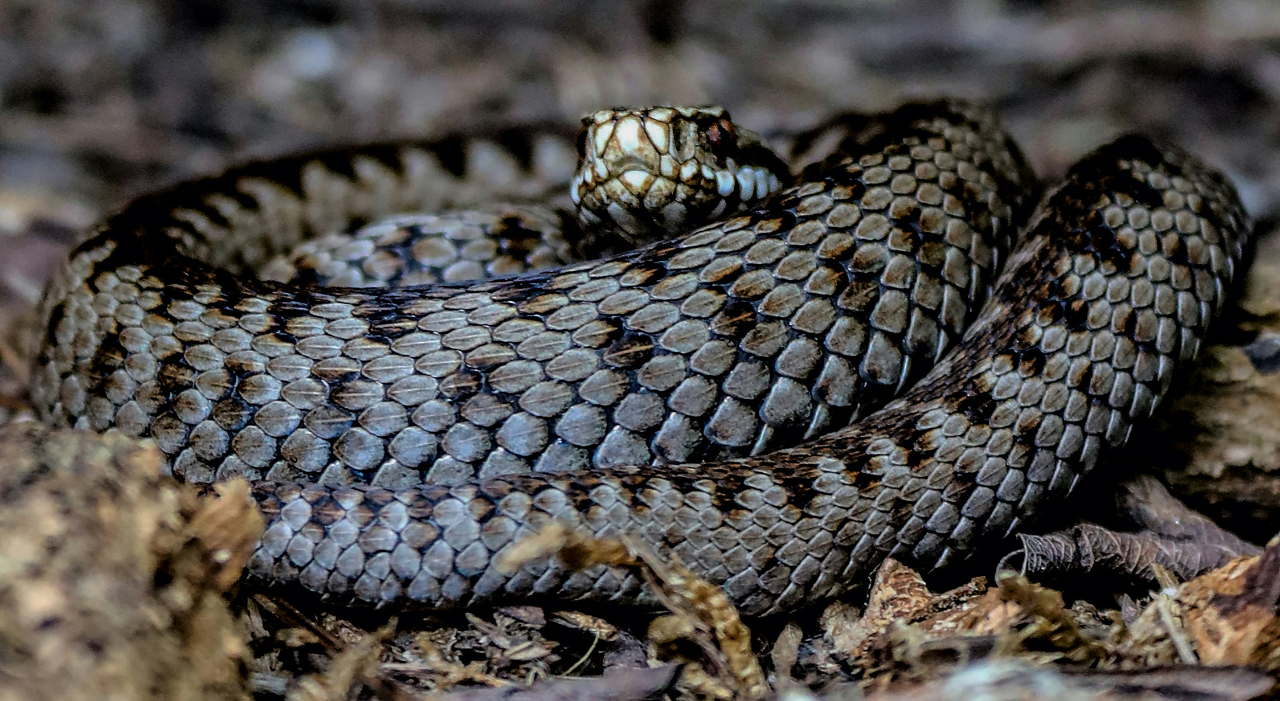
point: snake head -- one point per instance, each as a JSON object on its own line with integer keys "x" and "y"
{"x": 653, "y": 172}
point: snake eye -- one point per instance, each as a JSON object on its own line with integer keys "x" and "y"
{"x": 582, "y": 144}
{"x": 720, "y": 136}
{"x": 720, "y": 132}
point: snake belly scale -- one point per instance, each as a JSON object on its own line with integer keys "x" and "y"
{"x": 781, "y": 399}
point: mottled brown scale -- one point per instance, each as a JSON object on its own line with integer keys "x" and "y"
{"x": 743, "y": 394}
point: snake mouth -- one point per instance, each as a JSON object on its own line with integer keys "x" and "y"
{"x": 640, "y": 201}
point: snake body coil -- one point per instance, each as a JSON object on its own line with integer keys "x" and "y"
{"x": 727, "y": 394}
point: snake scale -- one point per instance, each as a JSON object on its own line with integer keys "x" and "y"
{"x": 782, "y": 398}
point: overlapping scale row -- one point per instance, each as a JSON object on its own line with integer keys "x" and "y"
{"x": 1114, "y": 288}
{"x": 730, "y": 341}
{"x": 419, "y": 249}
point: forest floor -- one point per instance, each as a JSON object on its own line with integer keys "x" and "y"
{"x": 106, "y": 99}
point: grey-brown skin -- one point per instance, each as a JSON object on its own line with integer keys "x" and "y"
{"x": 400, "y": 440}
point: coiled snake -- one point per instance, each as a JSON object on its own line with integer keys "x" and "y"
{"x": 782, "y": 398}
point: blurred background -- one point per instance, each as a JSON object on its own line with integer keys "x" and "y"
{"x": 103, "y": 99}
{"x": 99, "y": 98}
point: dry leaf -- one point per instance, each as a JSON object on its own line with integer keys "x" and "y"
{"x": 1173, "y": 537}
{"x": 591, "y": 624}
{"x": 700, "y": 609}
{"x": 111, "y": 576}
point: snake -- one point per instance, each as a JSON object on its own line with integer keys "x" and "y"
{"x": 779, "y": 365}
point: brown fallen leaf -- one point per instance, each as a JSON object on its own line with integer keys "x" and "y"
{"x": 1224, "y": 617}
{"x": 1051, "y": 624}
{"x": 513, "y": 647}
{"x": 1015, "y": 619}
{"x": 595, "y": 625}
{"x": 350, "y": 670}
{"x": 908, "y": 632}
{"x": 1172, "y": 536}
{"x": 1231, "y": 613}
{"x": 701, "y": 612}
{"x": 898, "y": 595}
{"x": 426, "y": 662}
